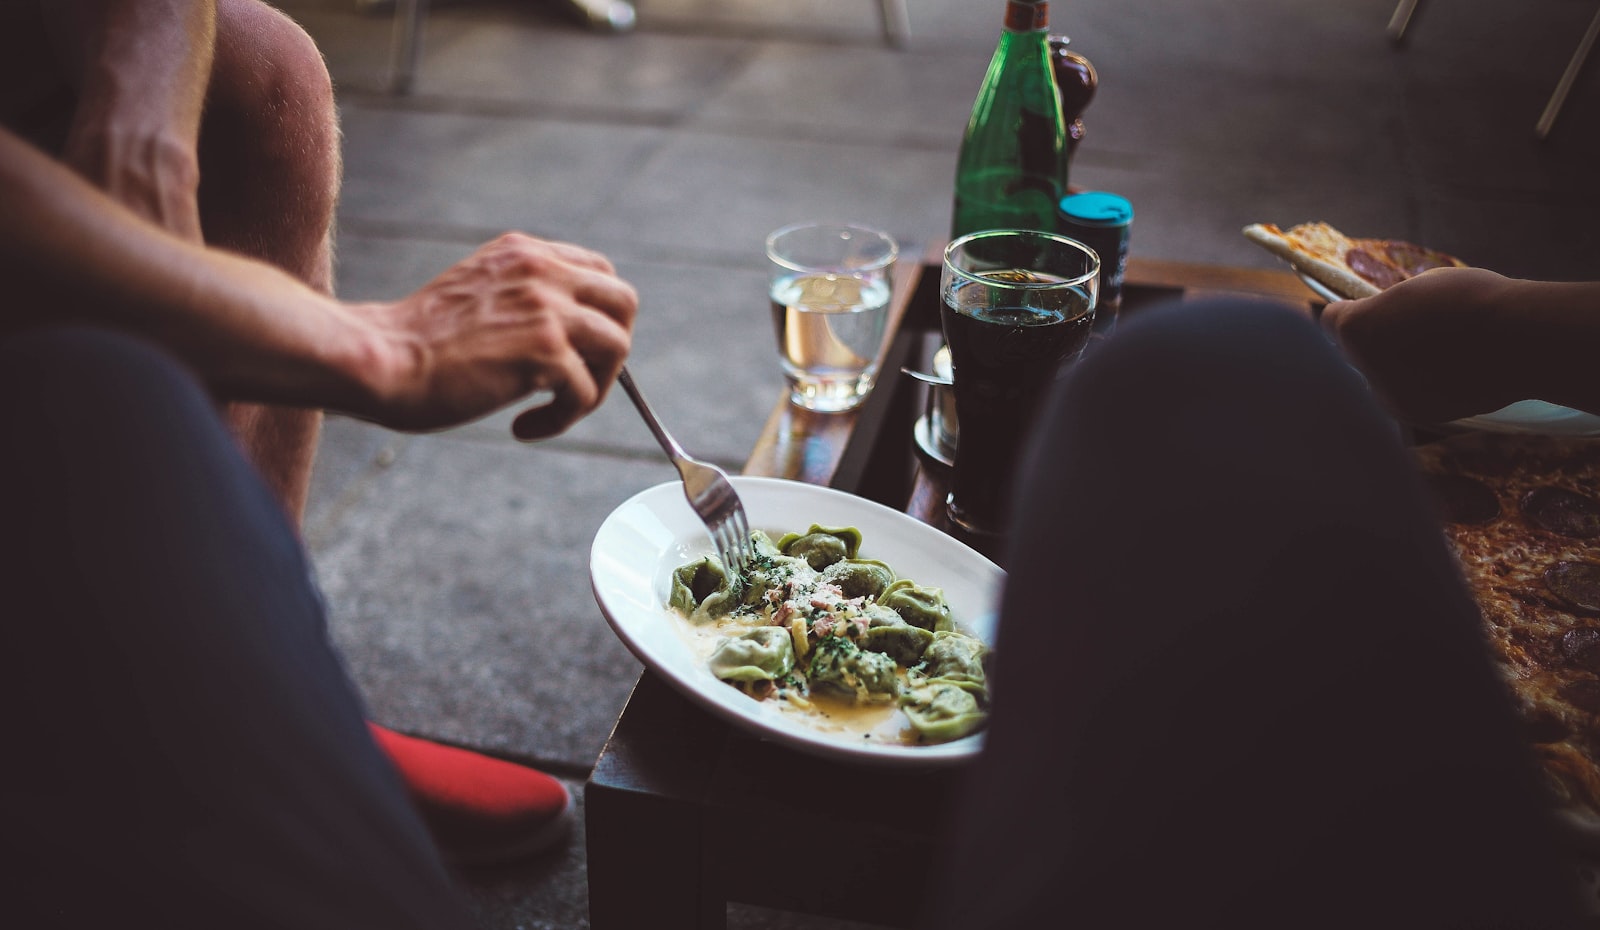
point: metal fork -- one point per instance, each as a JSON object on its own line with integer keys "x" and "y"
{"x": 710, "y": 492}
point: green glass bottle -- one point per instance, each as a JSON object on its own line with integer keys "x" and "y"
{"x": 1012, "y": 170}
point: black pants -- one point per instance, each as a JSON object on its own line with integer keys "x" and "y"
{"x": 183, "y": 747}
{"x": 1238, "y": 680}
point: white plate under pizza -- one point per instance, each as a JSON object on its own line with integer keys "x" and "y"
{"x": 1340, "y": 267}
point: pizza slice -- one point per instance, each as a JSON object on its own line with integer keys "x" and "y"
{"x": 1346, "y": 266}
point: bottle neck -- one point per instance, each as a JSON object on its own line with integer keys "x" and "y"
{"x": 1027, "y": 16}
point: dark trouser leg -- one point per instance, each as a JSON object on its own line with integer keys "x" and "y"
{"x": 1238, "y": 680}
{"x": 184, "y": 748}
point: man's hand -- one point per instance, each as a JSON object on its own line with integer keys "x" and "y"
{"x": 1437, "y": 347}
{"x": 518, "y": 316}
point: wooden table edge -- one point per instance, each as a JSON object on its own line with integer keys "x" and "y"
{"x": 803, "y": 445}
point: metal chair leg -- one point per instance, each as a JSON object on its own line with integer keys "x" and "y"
{"x": 606, "y": 15}
{"x": 1402, "y": 19}
{"x": 896, "y": 22}
{"x": 407, "y": 48}
{"x": 1547, "y": 119}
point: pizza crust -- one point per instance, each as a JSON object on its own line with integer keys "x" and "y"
{"x": 1349, "y": 267}
{"x": 1314, "y": 257}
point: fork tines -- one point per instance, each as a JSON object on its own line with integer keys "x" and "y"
{"x": 733, "y": 540}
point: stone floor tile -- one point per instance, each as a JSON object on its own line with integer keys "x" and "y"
{"x": 849, "y": 93}
{"x": 350, "y": 455}
{"x": 1263, "y": 38}
{"x": 458, "y": 589}
{"x": 857, "y": 21}
{"x": 499, "y": 896}
{"x": 357, "y": 46}
{"x": 1194, "y": 122}
{"x": 471, "y": 59}
{"x": 718, "y": 196}
{"x": 378, "y": 265}
{"x": 422, "y": 171}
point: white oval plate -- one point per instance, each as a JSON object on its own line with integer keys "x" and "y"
{"x": 1537, "y": 417}
{"x": 640, "y": 544}
{"x": 1317, "y": 287}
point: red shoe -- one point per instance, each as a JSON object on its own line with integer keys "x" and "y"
{"x": 480, "y": 810}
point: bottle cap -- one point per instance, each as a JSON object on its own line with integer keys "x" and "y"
{"x": 1027, "y": 15}
{"x": 1097, "y": 208}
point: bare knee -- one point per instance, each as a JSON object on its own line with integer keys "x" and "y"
{"x": 270, "y": 143}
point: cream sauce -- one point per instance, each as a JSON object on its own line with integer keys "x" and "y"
{"x": 883, "y": 723}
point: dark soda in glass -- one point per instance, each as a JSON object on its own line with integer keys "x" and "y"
{"x": 1003, "y": 360}
{"x": 1016, "y": 305}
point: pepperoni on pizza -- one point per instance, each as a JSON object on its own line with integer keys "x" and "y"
{"x": 1348, "y": 267}
{"x": 1523, "y": 515}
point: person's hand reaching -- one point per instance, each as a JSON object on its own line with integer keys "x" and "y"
{"x": 1438, "y": 346}
{"x": 520, "y": 315}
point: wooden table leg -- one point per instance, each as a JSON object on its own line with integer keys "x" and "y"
{"x": 644, "y": 866}
{"x": 644, "y": 817}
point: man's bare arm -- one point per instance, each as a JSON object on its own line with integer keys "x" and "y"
{"x": 1455, "y": 342}
{"x": 519, "y": 315}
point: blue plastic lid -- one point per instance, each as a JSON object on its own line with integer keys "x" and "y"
{"x": 1097, "y": 208}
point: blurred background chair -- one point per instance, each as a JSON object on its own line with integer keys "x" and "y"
{"x": 410, "y": 15}
{"x": 1403, "y": 14}
{"x": 604, "y": 15}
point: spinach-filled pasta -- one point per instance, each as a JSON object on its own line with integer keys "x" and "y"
{"x": 845, "y": 668}
{"x": 889, "y": 634}
{"x": 815, "y": 629}
{"x": 917, "y": 605}
{"x": 941, "y": 711}
{"x": 768, "y": 569}
{"x": 859, "y": 577}
{"x": 822, "y": 546}
{"x": 956, "y": 657}
{"x": 703, "y": 590}
{"x": 764, "y": 654}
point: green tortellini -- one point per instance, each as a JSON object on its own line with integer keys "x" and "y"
{"x": 889, "y": 634}
{"x": 768, "y": 569}
{"x": 917, "y": 605}
{"x": 859, "y": 577}
{"x": 957, "y": 658}
{"x": 703, "y": 590}
{"x": 764, "y": 654}
{"x": 822, "y": 546}
{"x": 810, "y": 623}
{"x": 845, "y": 668}
{"x": 941, "y": 711}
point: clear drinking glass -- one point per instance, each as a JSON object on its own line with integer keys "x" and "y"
{"x": 830, "y": 303}
{"x": 1016, "y": 306}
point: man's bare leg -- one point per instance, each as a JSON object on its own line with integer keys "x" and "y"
{"x": 269, "y": 181}
{"x": 270, "y": 170}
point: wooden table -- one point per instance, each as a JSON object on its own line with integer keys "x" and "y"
{"x": 685, "y": 814}
{"x": 871, "y": 452}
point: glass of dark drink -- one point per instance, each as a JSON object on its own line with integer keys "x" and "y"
{"x": 1017, "y": 306}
